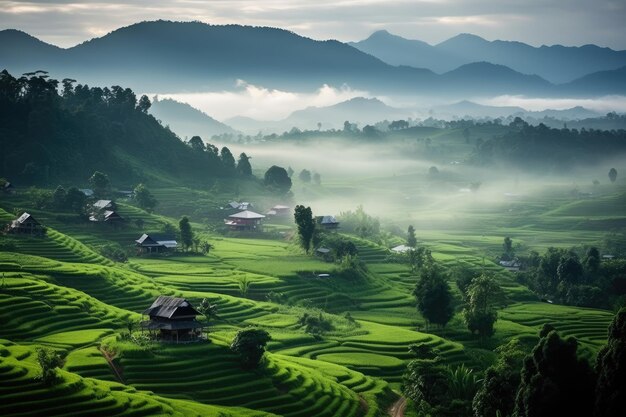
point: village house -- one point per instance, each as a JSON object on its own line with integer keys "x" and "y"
{"x": 26, "y": 224}
{"x": 401, "y": 249}
{"x": 104, "y": 205}
{"x": 172, "y": 319}
{"x": 106, "y": 216}
{"x": 243, "y": 206}
{"x": 512, "y": 266}
{"x": 154, "y": 244}
{"x": 279, "y": 211}
{"x": 244, "y": 220}
{"x": 327, "y": 222}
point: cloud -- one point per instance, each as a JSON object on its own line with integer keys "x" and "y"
{"x": 262, "y": 103}
{"x": 569, "y": 22}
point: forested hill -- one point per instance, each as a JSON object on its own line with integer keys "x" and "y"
{"x": 49, "y": 135}
{"x": 540, "y": 148}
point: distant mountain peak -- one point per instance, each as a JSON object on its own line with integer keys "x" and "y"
{"x": 463, "y": 38}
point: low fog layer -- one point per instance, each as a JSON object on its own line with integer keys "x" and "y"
{"x": 251, "y": 108}
{"x": 400, "y": 189}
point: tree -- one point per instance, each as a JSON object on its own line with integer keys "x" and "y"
{"x": 290, "y": 171}
{"x": 207, "y": 309}
{"x": 466, "y": 135}
{"x": 228, "y": 160}
{"x": 305, "y": 176}
{"x": 243, "y": 165}
{"x": 303, "y": 217}
{"x": 612, "y": 174}
{"x": 317, "y": 179}
{"x": 186, "y": 234}
{"x": 197, "y": 144}
{"x": 205, "y": 247}
{"x": 433, "y": 171}
{"x": 592, "y": 261}
{"x": 611, "y": 369}
{"x": 419, "y": 258}
{"x": 411, "y": 240}
{"x": 59, "y": 197}
{"x": 425, "y": 382}
{"x": 569, "y": 271}
{"x": 479, "y": 313}
{"x": 75, "y": 200}
{"x": 100, "y": 184}
{"x": 144, "y": 198}
{"x": 250, "y": 344}
{"x": 496, "y": 395}
{"x": 433, "y": 296}
{"x": 144, "y": 104}
{"x": 244, "y": 285}
{"x": 554, "y": 381}
{"x": 276, "y": 178}
{"x": 48, "y": 361}
{"x": 507, "y": 245}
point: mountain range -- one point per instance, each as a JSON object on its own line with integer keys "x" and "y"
{"x": 358, "y": 110}
{"x": 557, "y": 64}
{"x": 163, "y": 56}
{"x": 187, "y": 121}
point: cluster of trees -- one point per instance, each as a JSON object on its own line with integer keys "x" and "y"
{"x": 189, "y": 240}
{"x": 62, "y": 131}
{"x": 74, "y": 200}
{"x": 222, "y": 158}
{"x": 434, "y": 301}
{"x": 546, "y": 149}
{"x": 360, "y": 223}
{"x": 311, "y": 235}
{"x": 552, "y": 380}
{"x": 563, "y": 276}
{"x": 306, "y": 177}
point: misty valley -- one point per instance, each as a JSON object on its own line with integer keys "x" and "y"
{"x": 290, "y": 227}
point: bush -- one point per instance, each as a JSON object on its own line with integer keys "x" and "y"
{"x": 48, "y": 361}
{"x": 315, "y": 324}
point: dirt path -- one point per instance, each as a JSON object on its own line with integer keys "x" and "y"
{"x": 397, "y": 408}
{"x": 116, "y": 369}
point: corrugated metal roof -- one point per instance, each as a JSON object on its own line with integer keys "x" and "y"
{"x": 328, "y": 220}
{"x": 102, "y": 204}
{"x": 166, "y": 306}
{"x": 25, "y": 216}
{"x": 247, "y": 214}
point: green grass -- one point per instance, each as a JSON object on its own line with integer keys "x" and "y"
{"x": 75, "y": 301}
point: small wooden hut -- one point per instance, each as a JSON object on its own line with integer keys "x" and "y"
{"x": 172, "y": 319}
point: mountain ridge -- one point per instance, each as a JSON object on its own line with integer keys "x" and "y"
{"x": 555, "y": 63}
{"x": 194, "y": 56}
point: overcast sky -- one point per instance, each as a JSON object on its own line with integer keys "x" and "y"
{"x": 537, "y": 22}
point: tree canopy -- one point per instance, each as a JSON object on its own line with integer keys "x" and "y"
{"x": 276, "y": 178}
{"x": 249, "y": 344}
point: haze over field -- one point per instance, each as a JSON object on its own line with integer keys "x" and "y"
{"x": 353, "y": 208}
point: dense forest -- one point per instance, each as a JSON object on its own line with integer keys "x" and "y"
{"x": 543, "y": 148}
{"x": 62, "y": 131}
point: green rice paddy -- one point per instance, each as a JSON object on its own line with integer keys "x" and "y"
{"x": 57, "y": 291}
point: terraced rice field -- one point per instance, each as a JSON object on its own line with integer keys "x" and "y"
{"x": 75, "y": 301}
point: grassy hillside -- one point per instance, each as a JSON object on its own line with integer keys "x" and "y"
{"x": 57, "y": 291}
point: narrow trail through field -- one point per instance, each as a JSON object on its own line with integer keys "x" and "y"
{"x": 397, "y": 409}
{"x": 116, "y": 369}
